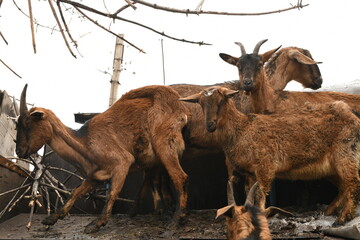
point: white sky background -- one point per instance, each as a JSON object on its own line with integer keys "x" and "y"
{"x": 58, "y": 81}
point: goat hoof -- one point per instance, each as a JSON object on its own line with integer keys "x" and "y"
{"x": 50, "y": 220}
{"x": 91, "y": 227}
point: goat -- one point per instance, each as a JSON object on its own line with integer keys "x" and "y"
{"x": 314, "y": 142}
{"x": 143, "y": 127}
{"x": 265, "y": 99}
{"x": 247, "y": 221}
{"x": 278, "y": 64}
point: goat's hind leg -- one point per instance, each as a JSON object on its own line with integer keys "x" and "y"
{"x": 349, "y": 187}
{"x": 86, "y": 186}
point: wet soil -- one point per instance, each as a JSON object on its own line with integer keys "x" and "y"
{"x": 199, "y": 224}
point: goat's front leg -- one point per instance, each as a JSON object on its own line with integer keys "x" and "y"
{"x": 117, "y": 182}
{"x": 86, "y": 186}
{"x": 265, "y": 178}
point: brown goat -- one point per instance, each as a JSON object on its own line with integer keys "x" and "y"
{"x": 143, "y": 127}
{"x": 313, "y": 142}
{"x": 265, "y": 99}
{"x": 278, "y": 64}
{"x": 248, "y": 221}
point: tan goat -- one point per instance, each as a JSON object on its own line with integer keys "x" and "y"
{"x": 313, "y": 142}
{"x": 265, "y": 99}
{"x": 303, "y": 70}
{"x": 143, "y": 127}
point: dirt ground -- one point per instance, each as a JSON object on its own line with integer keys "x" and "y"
{"x": 199, "y": 224}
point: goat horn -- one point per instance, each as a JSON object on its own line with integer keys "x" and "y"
{"x": 23, "y": 107}
{"x": 258, "y": 45}
{"x": 243, "y": 52}
{"x": 251, "y": 195}
{"x": 230, "y": 193}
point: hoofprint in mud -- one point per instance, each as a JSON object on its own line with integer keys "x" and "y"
{"x": 200, "y": 224}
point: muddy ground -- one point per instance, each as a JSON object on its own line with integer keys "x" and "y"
{"x": 200, "y": 224}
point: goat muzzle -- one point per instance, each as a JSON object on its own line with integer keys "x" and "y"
{"x": 211, "y": 126}
{"x": 247, "y": 85}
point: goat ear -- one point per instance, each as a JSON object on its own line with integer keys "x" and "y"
{"x": 266, "y": 56}
{"x": 227, "y": 211}
{"x": 37, "y": 115}
{"x": 229, "y": 59}
{"x": 193, "y": 98}
{"x": 230, "y": 93}
{"x": 271, "y": 211}
{"x": 301, "y": 58}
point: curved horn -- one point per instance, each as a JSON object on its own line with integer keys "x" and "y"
{"x": 251, "y": 195}
{"x": 258, "y": 45}
{"x": 243, "y": 52}
{"x": 230, "y": 194}
{"x": 23, "y": 107}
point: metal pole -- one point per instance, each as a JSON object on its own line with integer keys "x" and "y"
{"x": 118, "y": 58}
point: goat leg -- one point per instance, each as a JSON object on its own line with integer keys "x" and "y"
{"x": 117, "y": 182}
{"x": 86, "y": 186}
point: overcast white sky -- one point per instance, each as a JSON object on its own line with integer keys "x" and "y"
{"x": 58, "y": 81}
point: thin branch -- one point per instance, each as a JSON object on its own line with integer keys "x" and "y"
{"x": 60, "y": 27}
{"x": 121, "y": 9}
{"x": 2, "y": 36}
{"x": 130, "y": 4}
{"x": 188, "y": 11}
{"x": 14, "y": 189}
{"x": 32, "y": 26}
{"x": 117, "y": 35}
{"x": 65, "y": 25}
{"x": 78, "y": 6}
{"x": 10, "y": 69}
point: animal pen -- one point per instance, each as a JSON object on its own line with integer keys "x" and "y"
{"x": 32, "y": 188}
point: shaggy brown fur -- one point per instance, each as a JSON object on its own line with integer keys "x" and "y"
{"x": 313, "y": 142}
{"x": 248, "y": 221}
{"x": 144, "y": 127}
{"x": 196, "y": 136}
{"x": 266, "y": 100}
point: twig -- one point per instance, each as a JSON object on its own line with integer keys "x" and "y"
{"x": 21, "y": 196}
{"x": 130, "y": 4}
{"x": 32, "y": 26}
{"x": 60, "y": 27}
{"x": 67, "y": 171}
{"x": 57, "y": 189}
{"x": 7, "y": 206}
{"x": 188, "y": 11}
{"x": 10, "y": 69}
{"x": 65, "y": 25}
{"x": 117, "y": 35}
{"x": 14, "y": 189}
{"x": 2, "y": 36}
{"x": 78, "y": 6}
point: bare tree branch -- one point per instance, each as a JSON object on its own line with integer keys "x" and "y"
{"x": 10, "y": 69}
{"x": 2, "y": 36}
{"x": 60, "y": 27}
{"x": 97, "y": 24}
{"x": 32, "y": 26}
{"x": 130, "y": 4}
{"x": 78, "y": 6}
{"x": 65, "y": 24}
{"x": 188, "y": 11}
